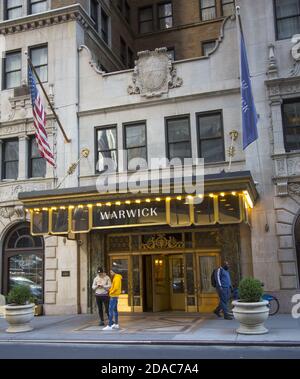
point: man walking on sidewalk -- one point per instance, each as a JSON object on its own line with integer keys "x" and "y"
{"x": 223, "y": 286}
{"x": 114, "y": 293}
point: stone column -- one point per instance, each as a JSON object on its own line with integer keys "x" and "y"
{"x": 1, "y": 157}
{"x": 23, "y": 157}
{"x": 277, "y": 123}
{"x": 51, "y": 265}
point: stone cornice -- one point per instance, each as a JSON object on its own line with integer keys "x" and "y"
{"x": 157, "y": 102}
{"x": 52, "y": 17}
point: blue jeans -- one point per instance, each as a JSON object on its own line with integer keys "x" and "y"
{"x": 113, "y": 310}
{"x": 224, "y": 295}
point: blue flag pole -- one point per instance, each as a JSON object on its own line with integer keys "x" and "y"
{"x": 249, "y": 114}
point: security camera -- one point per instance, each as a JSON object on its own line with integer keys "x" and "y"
{"x": 256, "y": 183}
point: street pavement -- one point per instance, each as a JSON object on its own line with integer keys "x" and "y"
{"x": 12, "y": 350}
{"x": 160, "y": 329}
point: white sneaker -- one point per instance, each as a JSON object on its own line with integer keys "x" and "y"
{"x": 107, "y": 328}
{"x": 115, "y": 326}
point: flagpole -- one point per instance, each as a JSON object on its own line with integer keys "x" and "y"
{"x": 239, "y": 19}
{"x": 67, "y": 140}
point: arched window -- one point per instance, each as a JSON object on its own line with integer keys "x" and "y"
{"x": 23, "y": 261}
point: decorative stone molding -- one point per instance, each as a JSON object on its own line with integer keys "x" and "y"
{"x": 52, "y": 17}
{"x": 295, "y": 52}
{"x": 282, "y": 88}
{"x": 10, "y": 212}
{"x": 20, "y": 107}
{"x": 9, "y": 192}
{"x": 272, "y": 68}
{"x": 92, "y": 63}
{"x": 154, "y": 74}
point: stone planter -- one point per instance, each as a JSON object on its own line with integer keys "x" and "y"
{"x": 19, "y": 317}
{"x": 251, "y": 317}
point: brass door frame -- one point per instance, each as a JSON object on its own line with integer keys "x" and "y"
{"x": 171, "y": 279}
{"x": 197, "y": 273}
{"x": 130, "y": 292}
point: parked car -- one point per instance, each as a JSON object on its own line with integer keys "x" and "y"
{"x": 36, "y": 289}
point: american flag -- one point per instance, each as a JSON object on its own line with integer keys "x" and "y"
{"x": 39, "y": 117}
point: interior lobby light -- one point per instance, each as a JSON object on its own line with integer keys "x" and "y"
{"x": 248, "y": 199}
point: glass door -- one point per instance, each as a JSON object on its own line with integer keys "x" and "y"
{"x": 177, "y": 283}
{"x": 207, "y": 296}
{"x": 161, "y": 292}
{"x": 122, "y": 265}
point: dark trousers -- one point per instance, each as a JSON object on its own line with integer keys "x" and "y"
{"x": 224, "y": 295}
{"x": 102, "y": 301}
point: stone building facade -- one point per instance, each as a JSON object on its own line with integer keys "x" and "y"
{"x": 93, "y": 92}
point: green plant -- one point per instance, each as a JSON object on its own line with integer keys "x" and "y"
{"x": 20, "y": 295}
{"x": 250, "y": 290}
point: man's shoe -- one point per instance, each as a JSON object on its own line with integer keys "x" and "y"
{"x": 228, "y": 317}
{"x": 101, "y": 323}
{"x": 217, "y": 314}
{"x": 116, "y": 326}
{"x": 107, "y": 328}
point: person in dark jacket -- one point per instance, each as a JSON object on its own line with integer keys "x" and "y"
{"x": 223, "y": 282}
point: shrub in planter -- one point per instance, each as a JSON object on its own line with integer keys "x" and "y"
{"x": 20, "y": 309}
{"x": 250, "y": 290}
{"x": 20, "y": 295}
{"x": 250, "y": 310}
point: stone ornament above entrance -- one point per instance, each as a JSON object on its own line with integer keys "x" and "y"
{"x": 154, "y": 74}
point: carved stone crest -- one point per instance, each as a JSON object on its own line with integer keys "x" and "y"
{"x": 154, "y": 74}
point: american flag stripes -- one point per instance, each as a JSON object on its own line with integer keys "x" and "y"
{"x": 39, "y": 116}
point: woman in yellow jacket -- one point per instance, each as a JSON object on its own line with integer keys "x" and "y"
{"x": 114, "y": 293}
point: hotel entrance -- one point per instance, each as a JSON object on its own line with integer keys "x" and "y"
{"x": 167, "y": 281}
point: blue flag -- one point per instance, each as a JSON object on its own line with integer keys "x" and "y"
{"x": 249, "y": 114}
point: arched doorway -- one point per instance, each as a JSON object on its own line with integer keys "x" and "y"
{"x": 23, "y": 261}
{"x": 297, "y": 241}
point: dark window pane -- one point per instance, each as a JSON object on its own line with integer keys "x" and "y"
{"x": 178, "y": 130}
{"x": 291, "y": 117}
{"x": 60, "y": 221}
{"x": 140, "y": 153}
{"x": 212, "y": 150}
{"x": 146, "y": 27}
{"x": 11, "y": 150}
{"x": 210, "y": 126}
{"x": 166, "y": 23}
{"x": 229, "y": 208}
{"x": 287, "y": 8}
{"x": 180, "y": 213}
{"x": 11, "y": 170}
{"x": 204, "y": 212}
{"x": 38, "y": 168}
{"x": 135, "y": 136}
{"x": 180, "y": 150}
{"x": 288, "y": 27}
{"x": 146, "y": 14}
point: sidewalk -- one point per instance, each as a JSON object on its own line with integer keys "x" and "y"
{"x": 162, "y": 328}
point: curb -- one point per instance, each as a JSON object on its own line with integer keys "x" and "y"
{"x": 159, "y": 343}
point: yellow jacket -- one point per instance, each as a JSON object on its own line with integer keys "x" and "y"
{"x": 116, "y": 287}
